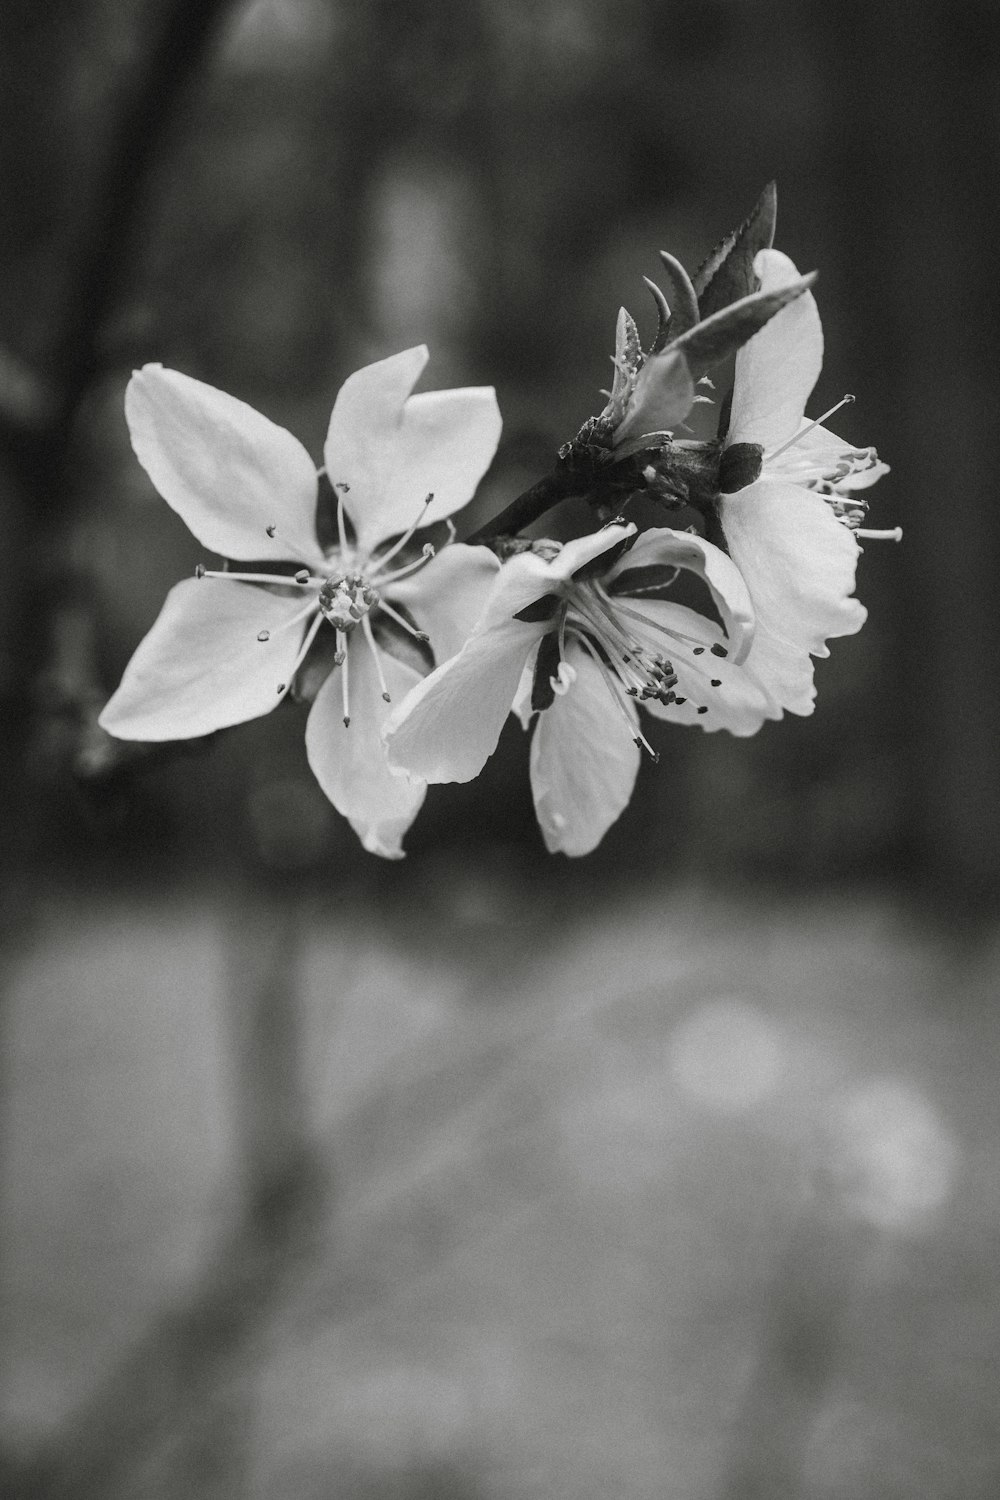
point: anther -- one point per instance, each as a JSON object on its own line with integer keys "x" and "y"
{"x": 679, "y": 701}
{"x": 263, "y": 635}
{"x": 339, "y": 657}
{"x": 698, "y": 651}
{"x": 702, "y": 710}
{"x": 718, "y": 650}
{"x": 387, "y": 697}
{"x": 199, "y": 571}
{"x": 343, "y": 486}
{"x": 302, "y": 576}
{"x": 427, "y": 550}
{"x": 270, "y": 530}
{"x": 716, "y": 681}
{"x": 281, "y": 688}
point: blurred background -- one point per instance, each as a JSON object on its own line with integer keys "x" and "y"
{"x": 669, "y": 1172}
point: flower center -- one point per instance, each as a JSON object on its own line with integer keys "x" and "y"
{"x": 345, "y": 599}
{"x": 643, "y": 671}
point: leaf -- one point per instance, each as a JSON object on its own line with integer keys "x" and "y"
{"x": 728, "y": 275}
{"x": 685, "y": 299}
{"x": 724, "y": 332}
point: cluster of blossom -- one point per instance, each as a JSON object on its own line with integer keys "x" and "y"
{"x": 412, "y": 655}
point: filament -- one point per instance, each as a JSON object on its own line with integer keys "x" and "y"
{"x": 844, "y": 401}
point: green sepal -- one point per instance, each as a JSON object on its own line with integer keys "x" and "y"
{"x": 727, "y": 330}
{"x": 686, "y": 313}
{"x": 663, "y": 314}
{"x": 739, "y": 465}
{"x": 546, "y": 667}
{"x": 727, "y": 275}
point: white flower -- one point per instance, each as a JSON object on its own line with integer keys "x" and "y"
{"x": 578, "y": 637}
{"x": 792, "y": 531}
{"x": 227, "y": 645}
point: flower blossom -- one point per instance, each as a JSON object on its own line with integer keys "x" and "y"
{"x": 791, "y": 506}
{"x": 228, "y": 644}
{"x": 575, "y": 634}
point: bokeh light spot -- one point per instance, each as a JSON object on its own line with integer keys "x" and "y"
{"x": 728, "y": 1055}
{"x": 894, "y": 1159}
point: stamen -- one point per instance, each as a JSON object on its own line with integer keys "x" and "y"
{"x": 895, "y": 534}
{"x": 674, "y": 635}
{"x": 636, "y": 734}
{"x": 366, "y": 626}
{"x": 420, "y": 635}
{"x": 844, "y": 401}
{"x": 307, "y": 641}
{"x": 302, "y": 579}
{"x": 425, "y": 557}
{"x": 344, "y": 687}
{"x": 263, "y": 635}
{"x": 341, "y": 528}
{"x": 401, "y": 543}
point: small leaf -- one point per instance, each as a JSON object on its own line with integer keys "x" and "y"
{"x": 663, "y": 396}
{"x": 728, "y": 275}
{"x": 663, "y": 316}
{"x": 628, "y": 350}
{"x": 730, "y": 328}
{"x": 685, "y": 299}
{"x": 540, "y": 609}
{"x": 647, "y": 580}
{"x": 546, "y": 667}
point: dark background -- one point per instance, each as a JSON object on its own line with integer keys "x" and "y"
{"x": 267, "y": 195}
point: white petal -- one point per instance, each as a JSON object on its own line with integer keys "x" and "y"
{"x": 449, "y": 725}
{"x": 201, "y": 667}
{"x": 227, "y": 471}
{"x": 777, "y": 369}
{"x": 682, "y": 549}
{"x": 584, "y": 763}
{"x": 447, "y": 597}
{"x": 738, "y": 704}
{"x": 799, "y": 564}
{"x": 584, "y": 549}
{"x": 349, "y": 762}
{"x": 393, "y": 449}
